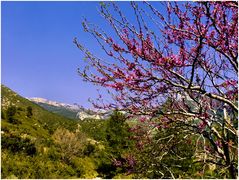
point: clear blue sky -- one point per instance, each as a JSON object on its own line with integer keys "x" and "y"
{"x": 39, "y": 58}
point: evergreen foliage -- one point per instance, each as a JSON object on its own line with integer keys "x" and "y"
{"x": 46, "y": 145}
{"x": 29, "y": 111}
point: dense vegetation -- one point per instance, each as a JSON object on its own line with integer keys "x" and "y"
{"x": 39, "y": 144}
{"x": 183, "y": 56}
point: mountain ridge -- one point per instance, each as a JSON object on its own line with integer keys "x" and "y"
{"x": 74, "y": 111}
{"x": 54, "y": 103}
{"x": 40, "y": 122}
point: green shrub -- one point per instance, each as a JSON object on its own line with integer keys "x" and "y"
{"x": 85, "y": 167}
{"x": 20, "y": 109}
{"x": 16, "y": 144}
{"x": 3, "y": 116}
{"x": 29, "y": 111}
{"x": 36, "y": 167}
{"x": 170, "y": 152}
{"x": 117, "y": 134}
{"x": 53, "y": 154}
{"x": 89, "y": 149}
{"x": 69, "y": 143}
{"x": 11, "y": 111}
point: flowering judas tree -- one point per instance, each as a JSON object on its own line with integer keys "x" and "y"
{"x": 184, "y": 57}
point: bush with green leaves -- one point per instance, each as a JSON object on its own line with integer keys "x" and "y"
{"x": 85, "y": 167}
{"x": 10, "y": 114}
{"x": 3, "y": 116}
{"x": 29, "y": 111}
{"x": 70, "y": 144}
{"x": 170, "y": 153}
{"x": 36, "y": 167}
{"x": 17, "y": 144}
{"x": 118, "y": 134}
{"x": 11, "y": 111}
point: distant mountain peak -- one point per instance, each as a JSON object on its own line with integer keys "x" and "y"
{"x": 69, "y": 110}
{"x": 54, "y": 103}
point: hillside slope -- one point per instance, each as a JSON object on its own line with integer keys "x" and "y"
{"x": 66, "y": 112}
{"x": 40, "y": 123}
{"x": 37, "y": 144}
{"x": 27, "y": 139}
